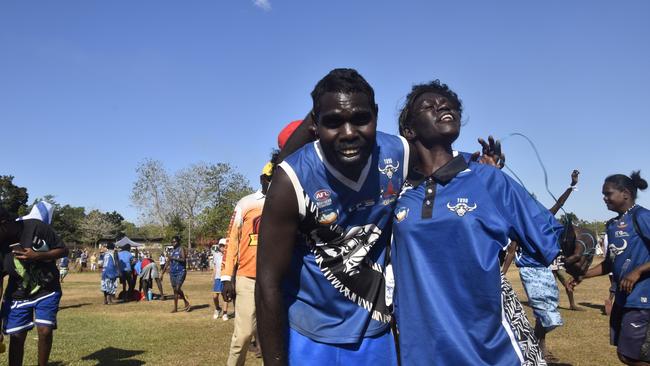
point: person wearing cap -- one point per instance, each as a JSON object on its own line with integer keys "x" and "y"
{"x": 242, "y": 256}
{"x": 217, "y": 287}
{"x": 29, "y": 250}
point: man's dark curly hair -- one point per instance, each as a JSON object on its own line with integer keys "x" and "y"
{"x": 341, "y": 81}
{"x": 434, "y": 86}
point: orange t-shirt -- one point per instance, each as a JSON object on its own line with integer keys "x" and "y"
{"x": 242, "y": 237}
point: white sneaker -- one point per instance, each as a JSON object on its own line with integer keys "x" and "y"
{"x": 225, "y": 317}
{"x": 216, "y": 315}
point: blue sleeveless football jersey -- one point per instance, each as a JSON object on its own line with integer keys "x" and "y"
{"x": 448, "y": 231}
{"x": 335, "y": 291}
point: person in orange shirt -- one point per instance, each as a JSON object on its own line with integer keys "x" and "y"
{"x": 241, "y": 257}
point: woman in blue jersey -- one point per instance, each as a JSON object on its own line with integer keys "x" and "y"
{"x": 177, "y": 266}
{"x": 628, "y": 257}
{"x": 452, "y": 305}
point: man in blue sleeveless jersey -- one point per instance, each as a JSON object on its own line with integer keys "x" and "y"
{"x": 327, "y": 283}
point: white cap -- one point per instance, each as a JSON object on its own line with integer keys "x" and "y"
{"x": 40, "y": 211}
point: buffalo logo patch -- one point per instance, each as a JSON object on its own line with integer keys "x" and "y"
{"x": 461, "y": 207}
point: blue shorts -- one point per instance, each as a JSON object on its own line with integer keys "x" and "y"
{"x": 177, "y": 279}
{"x": 21, "y": 315}
{"x": 543, "y": 295}
{"x": 378, "y": 350}
{"x": 217, "y": 286}
{"x": 628, "y": 331}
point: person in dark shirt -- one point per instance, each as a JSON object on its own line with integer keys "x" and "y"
{"x": 28, "y": 253}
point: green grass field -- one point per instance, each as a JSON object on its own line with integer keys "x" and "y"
{"x": 91, "y": 333}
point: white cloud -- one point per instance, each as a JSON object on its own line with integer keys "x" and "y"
{"x": 264, "y": 4}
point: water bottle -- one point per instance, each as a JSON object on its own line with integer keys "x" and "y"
{"x": 149, "y": 295}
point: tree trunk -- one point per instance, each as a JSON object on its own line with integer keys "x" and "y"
{"x": 189, "y": 233}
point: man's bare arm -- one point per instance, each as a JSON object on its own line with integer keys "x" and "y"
{"x": 560, "y": 202}
{"x": 277, "y": 235}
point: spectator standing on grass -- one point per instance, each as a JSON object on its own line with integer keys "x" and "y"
{"x": 162, "y": 259}
{"x": 242, "y": 254}
{"x": 217, "y": 287}
{"x": 110, "y": 274}
{"x": 83, "y": 259}
{"x": 33, "y": 289}
{"x": 126, "y": 259}
{"x": 628, "y": 258}
{"x": 93, "y": 262}
{"x": 177, "y": 267}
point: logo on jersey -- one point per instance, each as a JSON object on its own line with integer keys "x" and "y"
{"x": 401, "y": 214}
{"x": 615, "y": 251}
{"x": 323, "y": 198}
{"x": 362, "y": 205}
{"x": 621, "y": 225}
{"x": 252, "y": 237}
{"x": 462, "y": 207}
{"x": 389, "y": 169}
{"x": 621, "y": 233}
{"x": 327, "y": 218}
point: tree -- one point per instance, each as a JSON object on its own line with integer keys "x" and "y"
{"x": 67, "y": 222}
{"x": 96, "y": 226}
{"x": 189, "y": 193}
{"x": 225, "y": 188}
{"x": 13, "y": 198}
{"x": 149, "y": 193}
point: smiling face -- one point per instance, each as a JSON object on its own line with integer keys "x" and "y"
{"x": 346, "y": 124}
{"x": 615, "y": 199}
{"x": 434, "y": 119}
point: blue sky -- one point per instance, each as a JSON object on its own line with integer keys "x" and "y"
{"x": 88, "y": 89}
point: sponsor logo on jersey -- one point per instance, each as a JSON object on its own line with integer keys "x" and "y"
{"x": 323, "y": 198}
{"x": 461, "y": 207}
{"x": 389, "y": 168}
{"x": 252, "y": 237}
{"x": 362, "y": 205}
{"x": 401, "y": 214}
{"x": 615, "y": 251}
{"x": 327, "y": 218}
{"x": 621, "y": 225}
{"x": 322, "y": 195}
{"x": 621, "y": 233}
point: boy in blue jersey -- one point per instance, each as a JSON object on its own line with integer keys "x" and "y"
{"x": 452, "y": 305}
{"x": 321, "y": 294}
{"x": 628, "y": 257}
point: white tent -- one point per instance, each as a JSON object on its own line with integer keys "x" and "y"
{"x": 125, "y": 240}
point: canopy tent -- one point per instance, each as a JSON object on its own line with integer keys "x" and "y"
{"x": 125, "y": 240}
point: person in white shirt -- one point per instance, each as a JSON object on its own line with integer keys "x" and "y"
{"x": 217, "y": 287}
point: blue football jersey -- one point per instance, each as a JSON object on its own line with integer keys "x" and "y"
{"x": 626, "y": 251}
{"x": 448, "y": 232}
{"x": 335, "y": 291}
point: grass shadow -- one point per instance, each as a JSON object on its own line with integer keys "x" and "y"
{"x": 114, "y": 356}
{"x": 593, "y": 306}
{"x": 75, "y": 306}
{"x": 197, "y": 307}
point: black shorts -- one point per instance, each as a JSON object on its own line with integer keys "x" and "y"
{"x": 629, "y": 332}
